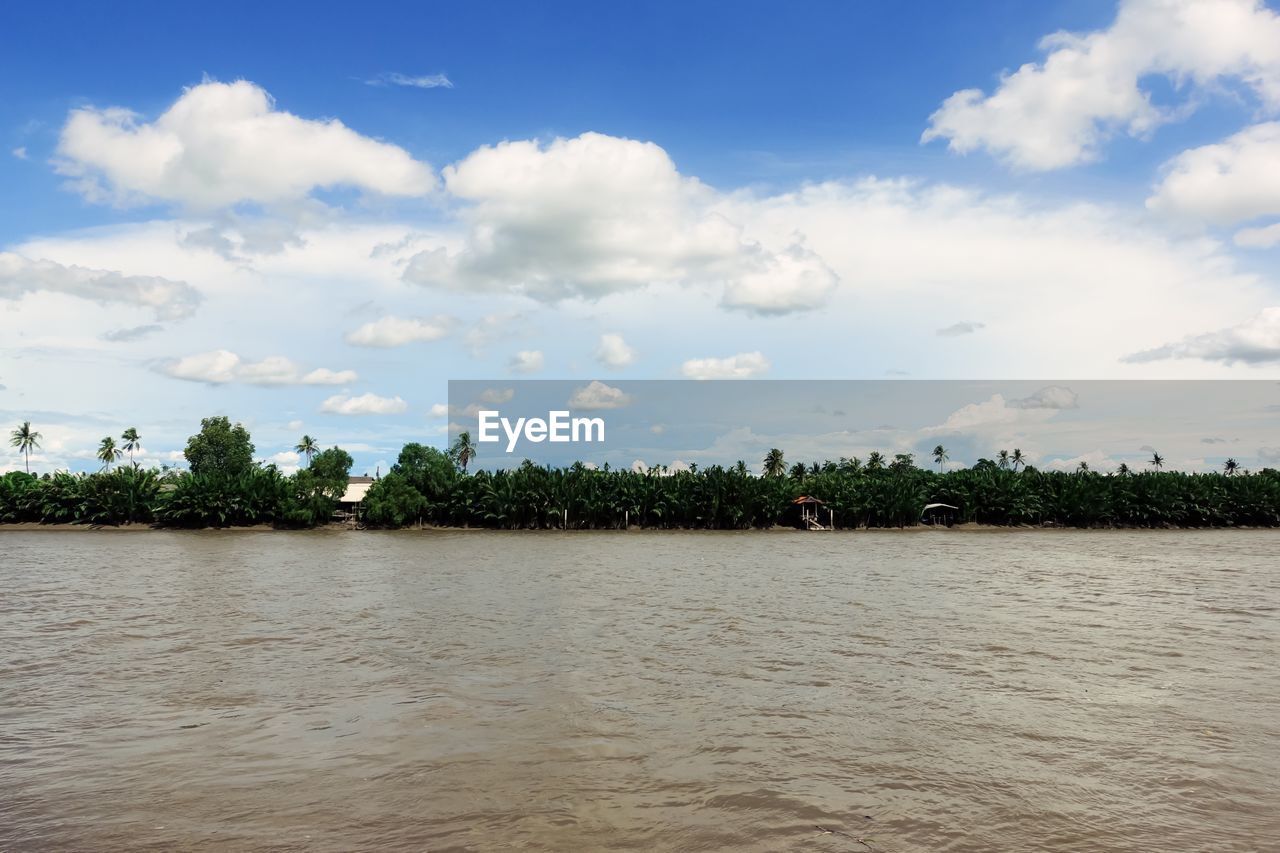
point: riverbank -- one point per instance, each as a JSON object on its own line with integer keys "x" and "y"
{"x": 31, "y": 526}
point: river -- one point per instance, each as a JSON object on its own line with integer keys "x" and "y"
{"x": 894, "y": 691}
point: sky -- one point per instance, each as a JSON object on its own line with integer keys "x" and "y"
{"x": 311, "y": 220}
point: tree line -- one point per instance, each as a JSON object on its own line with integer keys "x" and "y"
{"x": 225, "y": 487}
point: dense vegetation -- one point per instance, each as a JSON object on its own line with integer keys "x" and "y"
{"x": 225, "y": 487}
{"x": 426, "y": 485}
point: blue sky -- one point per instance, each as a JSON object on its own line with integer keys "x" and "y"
{"x": 666, "y": 190}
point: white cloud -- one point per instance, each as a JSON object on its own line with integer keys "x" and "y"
{"x": 421, "y": 81}
{"x": 497, "y": 395}
{"x": 598, "y": 395}
{"x": 295, "y": 424}
{"x": 1256, "y": 341}
{"x": 221, "y": 144}
{"x": 1258, "y": 238}
{"x": 1049, "y": 397}
{"x": 365, "y": 404}
{"x": 995, "y": 412}
{"x": 439, "y": 410}
{"x": 614, "y": 352}
{"x": 220, "y": 367}
{"x": 1097, "y": 460}
{"x": 1060, "y": 112}
{"x": 20, "y": 152}
{"x": 286, "y": 460}
{"x": 1231, "y": 181}
{"x": 169, "y": 300}
{"x": 398, "y": 331}
{"x": 597, "y": 215}
{"x": 744, "y": 365}
{"x": 325, "y": 376}
{"x": 961, "y": 328}
{"x": 526, "y": 361}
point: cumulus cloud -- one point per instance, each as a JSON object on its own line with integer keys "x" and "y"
{"x": 1049, "y": 397}
{"x": 998, "y": 414}
{"x": 614, "y": 352}
{"x": 20, "y": 153}
{"x": 167, "y": 299}
{"x": 1089, "y": 87}
{"x": 221, "y": 367}
{"x": 421, "y": 81}
{"x": 497, "y": 395}
{"x": 526, "y": 361}
{"x": 598, "y": 395}
{"x": 439, "y": 410}
{"x": 961, "y": 328}
{"x": 397, "y": 331}
{"x": 744, "y": 365}
{"x": 596, "y": 215}
{"x": 365, "y": 404}
{"x": 1258, "y": 238}
{"x": 1256, "y": 341}
{"x": 1235, "y": 180}
{"x": 221, "y": 144}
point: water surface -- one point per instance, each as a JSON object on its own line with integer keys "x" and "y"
{"x": 923, "y": 691}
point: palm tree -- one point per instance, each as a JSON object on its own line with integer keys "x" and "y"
{"x": 463, "y": 451}
{"x": 774, "y": 464}
{"x": 875, "y": 460}
{"x": 108, "y": 452}
{"x": 1017, "y": 459}
{"x": 1002, "y": 459}
{"x": 307, "y": 447}
{"x": 1231, "y": 466}
{"x": 1083, "y": 468}
{"x": 132, "y": 442}
{"x": 1123, "y": 470}
{"x": 1157, "y": 461}
{"x": 26, "y": 440}
{"x": 940, "y": 456}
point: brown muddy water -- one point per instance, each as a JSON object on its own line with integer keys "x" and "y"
{"x": 926, "y": 691}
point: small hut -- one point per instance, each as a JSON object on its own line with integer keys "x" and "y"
{"x": 809, "y": 507}
{"x": 936, "y": 513}
{"x": 349, "y": 504}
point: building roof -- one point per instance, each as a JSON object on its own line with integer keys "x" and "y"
{"x": 357, "y": 488}
{"x": 939, "y": 506}
{"x": 806, "y": 499}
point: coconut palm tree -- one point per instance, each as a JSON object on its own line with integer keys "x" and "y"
{"x": 875, "y": 460}
{"x": 26, "y": 440}
{"x": 463, "y": 450}
{"x": 1157, "y": 461}
{"x": 774, "y": 464}
{"x": 1002, "y": 459}
{"x": 108, "y": 452}
{"x": 1017, "y": 459}
{"x": 1083, "y": 467}
{"x": 940, "y": 456}
{"x": 307, "y": 447}
{"x": 1123, "y": 470}
{"x": 1231, "y": 466}
{"x": 132, "y": 442}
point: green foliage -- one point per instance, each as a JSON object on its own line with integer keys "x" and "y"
{"x": 220, "y": 449}
{"x": 425, "y": 484}
{"x": 431, "y": 472}
{"x": 393, "y": 502}
{"x": 329, "y": 468}
{"x": 255, "y": 496}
